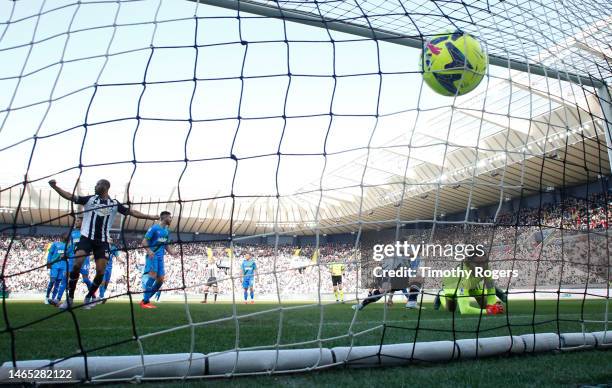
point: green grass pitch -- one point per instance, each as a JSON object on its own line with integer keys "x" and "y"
{"x": 41, "y": 332}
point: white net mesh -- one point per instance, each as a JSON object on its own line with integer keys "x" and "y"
{"x": 302, "y": 133}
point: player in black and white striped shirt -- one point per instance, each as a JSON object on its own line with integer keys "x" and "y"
{"x": 99, "y": 213}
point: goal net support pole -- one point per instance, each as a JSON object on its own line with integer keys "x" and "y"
{"x": 380, "y": 34}
{"x": 605, "y": 102}
{"x": 198, "y": 365}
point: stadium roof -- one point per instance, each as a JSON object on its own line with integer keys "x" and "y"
{"x": 411, "y": 177}
{"x": 518, "y": 134}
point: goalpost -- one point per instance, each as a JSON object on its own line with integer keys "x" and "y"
{"x": 291, "y": 122}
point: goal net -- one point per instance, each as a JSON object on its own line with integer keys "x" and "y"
{"x": 302, "y": 134}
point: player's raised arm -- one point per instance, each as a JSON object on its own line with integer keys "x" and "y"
{"x": 137, "y": 214}
{"x": 63, "y": 193}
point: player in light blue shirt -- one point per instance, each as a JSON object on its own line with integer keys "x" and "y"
{"x": 73, "y": 241}
{"x": 113, "y": 253}
{"x": 51, "y": 283}
{"x": 75, "y": 237}
{"x": 156, "y": 242}
{"x": 248, "y": 268}
{"x": 56, "y": 262}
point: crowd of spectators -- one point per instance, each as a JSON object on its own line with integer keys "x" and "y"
{"x": 571, "y": 213}
{"x": 278, "y": 270}
{"x": 560, "y": 245}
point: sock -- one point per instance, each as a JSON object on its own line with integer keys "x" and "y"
{"x": 341, "y": 294}
{"x": 102, "y": 291}
{"x": 87, "y": 282}
{"x": 72, "y": 282}
{"x": 155, "y": 290}
{"x": 50, "y": 287}
{"x": 96, "y": 283}
{"x": 149, "y": 290}
{"x": 205, "y": 296}
{"x": 442, "y": 299}
{"x": 157, "y": 295}
{"x": 56, "y": 286}
{"x": 413, "y": 295}
{"x": 252, "y": 294}
{"x": 62, "y": 288}
{"x": 245, "y": 295}
{"x": 215, "y": 296}
{"x": 336, "y": 294}
{"x": 372, "y": 297}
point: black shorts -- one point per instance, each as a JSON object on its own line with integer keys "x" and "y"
{"x": 336, "y": 280}
{"x": 212, "y": 282}
{"x": 99, "y": 248}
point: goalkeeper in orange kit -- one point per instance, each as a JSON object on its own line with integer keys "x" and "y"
{"x": 458, "y": 291}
